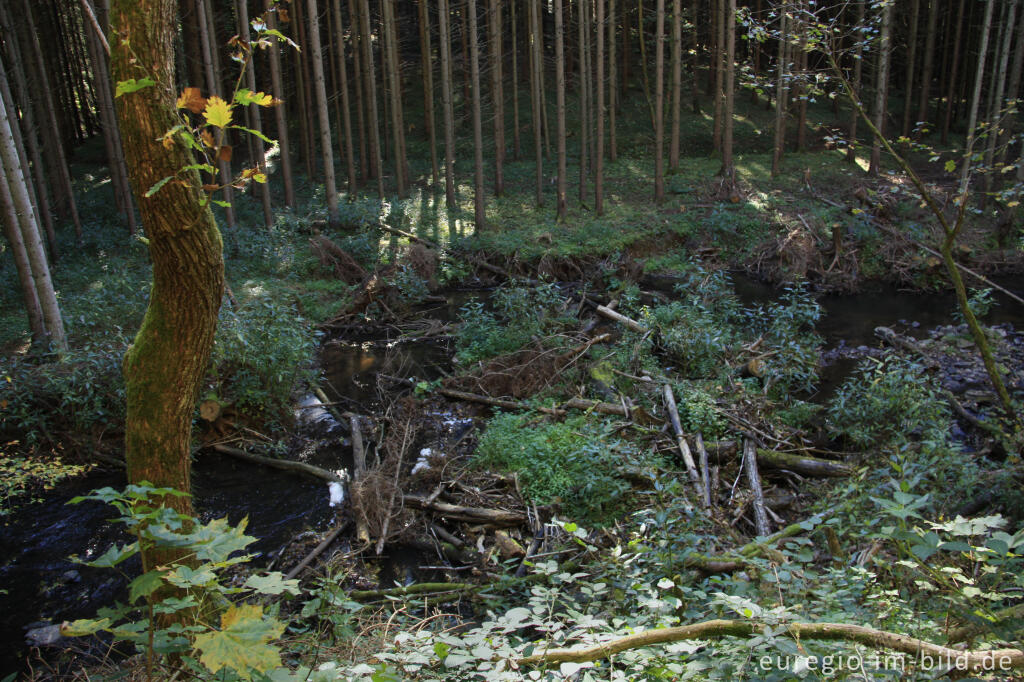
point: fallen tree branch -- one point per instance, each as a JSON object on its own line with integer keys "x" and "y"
{"x": 754, "y": 478}
{"x": 739, "y": 559}
{"x": 986, "y": 660}
{"x": 283, "y": 464}
{"x": 317, "y": 551}
{"x": 604, "y": 311}
{"x": 966, "y": 632}
{"x": 416, "y": 588}
{"x": 805, "y": 465}
{"x": 498, "y": 517}
{"x": 571, "y": 404}
{"x": 684, "y": 449}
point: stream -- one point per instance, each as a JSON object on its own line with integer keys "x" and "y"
{"x": 39, "y": 585}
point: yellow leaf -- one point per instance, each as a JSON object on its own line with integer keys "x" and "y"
{"x": 192, "y": 99}
{"x": 207, "y": 138}
{"x": 217, "y": 112}
{"x": 243, "y": 642}
{"x": 260, "y": 177}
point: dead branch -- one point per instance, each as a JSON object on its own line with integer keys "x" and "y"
{"x": 604, "y": 311}
{"x": 497, "y": 517}
{"x": 317, "y": 551}
{"x": 283, "y": 464}
{"x": 754, "y": 478}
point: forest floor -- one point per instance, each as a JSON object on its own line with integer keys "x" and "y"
{"x": 591, "y": 419}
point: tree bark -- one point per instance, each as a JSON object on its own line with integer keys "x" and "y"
{"x": 882, "y": 85}
{"x": 255, "y": 118}
{"x": 677, "y": 83}
{"x": 494, "y": 42}
{"x": 728, "y": 169}
{"x": 277, "y": 88}
{"x": 996, "y": 113}
{"x": 583, "y": 98}
{"x": 395, "y": 86}
{"x": 858, "y": 69}
{"x": 718, "y": 9}
{"x": 781, "y": 90}
{"x": 165, "y": 365}
{"x": 908, "y": 87}
{"x": 346, "y": 109}
{"x": 599, "y": 156}
{"x": 979, "y": 78}
{"x": 536, "y": 101}
{"x": 16, "y": 180}
{"x": 370, "y": 81}
{"x": 478, "y": 137}
{"x": 516, "y": 148}
{"x": 613, "y": 90}
{"x": 659, "y": 103}
{"x": 561, "y": 203}
{"x": 209, "y": 41}
{"x": 427, "y": 59}
{"x": 929, "y": 60}
{"x": 12, "y": 230}
{"x": 951, "y": 91}
{"x": 444, "y": 23}
{"x": 320, "y": 89}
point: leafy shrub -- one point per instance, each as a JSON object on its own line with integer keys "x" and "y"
{"x": 262, "y": 350}
{"x": 887, "y": 402}
{"x": 981, "y": 302}
{"x": 698, "y": 411}
{"x": 519, "y": 313}
{"x": 788, "y": 330}
{"x": 574, "y": 461}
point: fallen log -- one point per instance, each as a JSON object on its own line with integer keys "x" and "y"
{"x": 607, "y": 312}
{"x": 805, "y": 465}
{"x": 571, "y": 404}
{"x": 497, "y": 517}
{"x": 739, "y": 559}
{"x": 684, "y": 449}
{"x": 754, "y": 478}
{"x": 416, "y": 588}
{"x": 983, "y": 660}
{"x": 283, "y": 464}
{"x": 317, "y": 551}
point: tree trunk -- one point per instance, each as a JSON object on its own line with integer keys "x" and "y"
{"x": 979, "y": 77}
{"x": 427, "y": 59}
{"x": 694, "y": 45}
{"x": 781, "y": 91}
{"x": 346, "y": 109}
{"x": 444, "y": 22}
{"x": 16, "y": 181}
{"x": 391, "y": 62}
{"x": 320, "y": 89}
{"x": 882, "y": 85}
{"x": 277, "y": 89}
{"x": 47, "y": 109}
{"x": 12, "y": 230}
{"x": 494, "y": 43}
{"x": 659, "y": 103}
{"x": 908, "y": 88}
{"x": 858, "y": 69}
{"x": 583, "y": 92}
{"x": 370, "y": 81}
{"x": 951, "y": 92}
{"x": 516, "y": 149}
{"x": 561, "y": 203}
{"x": 208, "y": 39}
{"x": 613, "y": 90}
{"x": 929, "y": 60}
{"x": 718, "y": 8}
{"x": 536, "y": 80}
{"x": 478, "y": 136}
{"x": 599, "y": 156}
{"x": 255, "y": 118}
{"x": 728, "y": 169}
{"x": 165, "y": 365}
{"x": 996, "y": 113}
{"x": 677, "y": 83}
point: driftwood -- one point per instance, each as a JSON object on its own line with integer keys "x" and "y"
{"x": 317, "y": 551}
{"x": 677, "y": 427}
{"x": 283, "y": 464}
{"x": 805, "y": 465}
{"x": 497, "y": 517}
{"x": 607, "y": 312}
{"x": 754, "y": 478}
{"x": 1001, "y": 660}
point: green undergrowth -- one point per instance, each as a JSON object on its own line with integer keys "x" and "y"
{"x": 574, "y": 464}
{"x": 514, "y": 316}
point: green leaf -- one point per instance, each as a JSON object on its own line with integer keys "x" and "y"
{"x": 217, "y": 540}
{"x": 242, "y": 644}
{"x": 255, "y": 133}
{"x": 113, "y": 556}
{"x": 273, "y": 583}
{"x": 157, "y": 186}
{"x": 245, "y": 97}
{"x": 200, "y": 166}
{"x": 132, "y": 85}
{"x": 185, "y": 576}
{"x": 84, "y": 627}
{"x": 145, "y": 585}
{"x": 950, "y": 166}
{"x": 221, "y": 203}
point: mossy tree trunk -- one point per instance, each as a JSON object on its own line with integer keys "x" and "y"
{"x": 165, "y": 365}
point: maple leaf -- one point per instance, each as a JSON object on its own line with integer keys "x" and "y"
{"x": 242, "y": 643}
{"x": 217, "y": 112}
{"x": 192, "y": 99}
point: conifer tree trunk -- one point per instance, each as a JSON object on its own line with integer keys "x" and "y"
{"x": 17, "y": 183}
{"x": 613, "y": 90}
{"x": 599, "y": 156}
{"x": 12, "y": 230}
{"x": 255, "y": 118}
{"x": 996, "y": 112}
{"x": 277, "y": 89}
{"x": 718, "y": 9}
{"x": 562, "y": 184}
{"x": 320, "y": 89}
{"x": 781, "y": 90}
{"x": 908, "y": 88}
{"x": 165, "y": 365}
{"x": 346, "y": 109}
{"x": 979, "y": 78}
{"x": 370, "y": 80}
{"x": 516, "y": 149}
{"x": 208, "y": 39}
{"x": 536, "y": 80}
{"x": 395, "y": 86}
{"x": 659, "y": 103}
{"x": 427, "y": 59}
{"x": 362, "y": 106}
{"x": 929, "y": 60}
{"x": 801, "y": 60}
{"x": 48, "y": 110}
{"x": 583, "y": 98}
{"x": 677, "y": 83}
{"x": 882, "y": 85}
{"x": 478, "y": 135}
{"x": 444, "y": 24}
{"x": 728, "y": 169}
{"x": 951, "y": 91}
{"x": 694, "y": 60}
{"x": 858, "y": 69}
{"x": 494, "y": 42}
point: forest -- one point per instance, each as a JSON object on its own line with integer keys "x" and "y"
{"x": 511, "y": 340}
